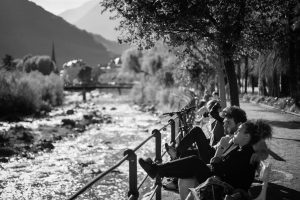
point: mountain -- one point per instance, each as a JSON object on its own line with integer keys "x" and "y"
{"x": 113, "y": 47}
{"x": 89, "y": 17}
{"x": 73, "y": 15}
{"x": 26, "y": 28}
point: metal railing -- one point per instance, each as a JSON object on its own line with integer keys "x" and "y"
{"x": 131, "y": 156}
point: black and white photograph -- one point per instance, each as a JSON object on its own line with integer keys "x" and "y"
{"x": 149, "y": 99}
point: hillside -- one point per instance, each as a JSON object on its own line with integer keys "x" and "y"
{"x": 89, "y": 17}
{"x": 73, "y": 15}
{"x": 26, "y": 28}
{"x": 113, "y": 47}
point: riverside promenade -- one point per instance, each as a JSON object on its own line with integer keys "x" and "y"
{"x": 285, "y": 175}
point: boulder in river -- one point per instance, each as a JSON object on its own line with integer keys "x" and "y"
{"x": 7, "y": 151}
{"x": 45, "y": 145}
{"x": 70, "y": 112}
{"x": 68, "y": 122}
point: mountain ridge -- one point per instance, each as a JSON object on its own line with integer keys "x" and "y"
{"x": 89, "y": 17}
{"x": 29, "y": 29}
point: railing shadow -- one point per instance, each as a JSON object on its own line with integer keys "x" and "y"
{"x": 277, "y": 192}
{"x": 283, "y": 124}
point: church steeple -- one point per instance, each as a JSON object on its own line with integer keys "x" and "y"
{"x": 53, "y": 53}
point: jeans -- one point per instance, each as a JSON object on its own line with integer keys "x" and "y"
{"x": 205, "y": 151}
{"x": 188, "y": 167}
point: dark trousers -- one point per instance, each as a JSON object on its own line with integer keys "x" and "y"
{"x": 196, "y": 135}
{"x": 188, "y": 167}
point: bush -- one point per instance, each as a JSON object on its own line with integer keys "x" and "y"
{"x": 164, "y": 98}
{"x": 246, "y": 97}
{"x": 284, "y": 103}
{"x": 24, "y": 94}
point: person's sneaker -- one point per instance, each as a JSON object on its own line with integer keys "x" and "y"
{"x": 171, "y": 151}
{"x": 149, "y": 167}
{"x": 171, "y": 184}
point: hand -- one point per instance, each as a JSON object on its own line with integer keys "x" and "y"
{"x": 228, "y": 197}
{"x": 214, "y": 112}
{"x": 215, "y": 159}
{"x": 224, "y": 142}
{"x": 233, "y": 196}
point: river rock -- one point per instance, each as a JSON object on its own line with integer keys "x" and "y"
{"x": 88, "y": 116}
{"x": 45, "y": 145}
{"x": 26, "y": 137}
{"x": 7, "y": 151}
{"x": 3, "y": 160}
{"x": 70, "y": 112}
{"x": 68, "y": 122}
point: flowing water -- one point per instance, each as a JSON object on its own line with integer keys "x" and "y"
{"x": 76, "y": 160}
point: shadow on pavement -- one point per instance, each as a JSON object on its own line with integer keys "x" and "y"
{"x": 277, "y": 192}
{"x": 282, "y": 124}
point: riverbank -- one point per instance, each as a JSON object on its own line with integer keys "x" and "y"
{"x": 31, "y": 135}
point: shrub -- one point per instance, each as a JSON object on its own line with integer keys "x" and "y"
{"x": 24, "y": 94}
{"x": 246, "y": 97}
{"x": 165, "y": 99}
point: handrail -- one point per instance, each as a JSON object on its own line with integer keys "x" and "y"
{"x": 153, "y": 193}
{"x": 97, "y": 178}
{"x": 131, "y": 157}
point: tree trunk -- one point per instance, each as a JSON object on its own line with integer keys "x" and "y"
{"x": 292, "y": 67}
{"x": 221, "y": 80}
{"x": 273, "y": 86}
{"x": 261, "y": 88}
{"x": 275, "y": 83}
{"x": 246, "y": 74}
{"x": 252, "y": 84}
{"x": 232, "y": 80}
{"x": 284, "y": 83}
{"x": 239, "y": 74}
{"x": 264, "y": 88}
{"x": 294, "y": 62}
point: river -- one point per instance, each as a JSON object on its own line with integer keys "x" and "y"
{"x": 76, "y": 159}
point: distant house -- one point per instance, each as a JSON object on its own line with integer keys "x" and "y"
{"x": 75, "y": 72}
{"x": 118, "y": 62}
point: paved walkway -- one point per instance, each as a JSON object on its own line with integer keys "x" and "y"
{"x": 285, "y": 176}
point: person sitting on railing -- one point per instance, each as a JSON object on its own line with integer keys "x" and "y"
{"x": 233, "y": 117}
{"x": 203, "y": 114}
{"x": 260, "y": 148}
{"x": 233, "y": 167}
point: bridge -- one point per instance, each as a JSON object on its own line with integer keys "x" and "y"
{"x": 89, "y": 87}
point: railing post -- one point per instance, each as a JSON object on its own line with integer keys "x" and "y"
{"x": 84, "y": 95}
{"x": 133, "y": 191}
{"x": 173, "y": 133}
{"x": 180, "y": 129}
{"x": 158, "y": 159}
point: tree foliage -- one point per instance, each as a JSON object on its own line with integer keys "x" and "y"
{"x": 226, "y": 24}
{"x": 7, "y": 62}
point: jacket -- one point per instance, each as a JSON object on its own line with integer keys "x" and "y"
{"x": 235, "y": 167}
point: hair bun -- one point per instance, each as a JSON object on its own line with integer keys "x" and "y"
{"x": 263, "y": 129}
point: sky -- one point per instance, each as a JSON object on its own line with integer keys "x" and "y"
{"x": 58, "y": 6}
